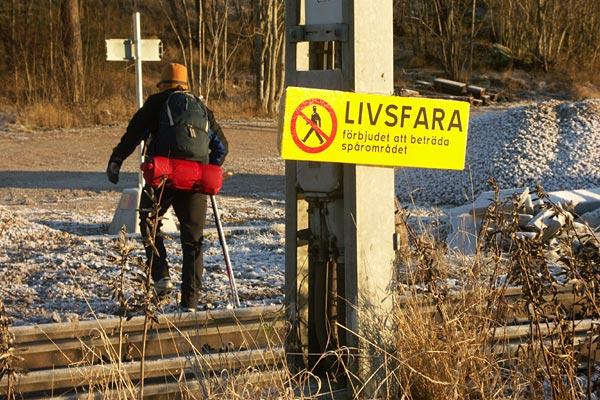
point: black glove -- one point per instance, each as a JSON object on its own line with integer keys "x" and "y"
{"x": 112, "y": 171}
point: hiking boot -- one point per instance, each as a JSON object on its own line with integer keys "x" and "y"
{"x": 163, "y": 287}
{"x": 188, "y": 306}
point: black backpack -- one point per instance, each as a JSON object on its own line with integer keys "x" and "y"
{"x": 182, "y": 128}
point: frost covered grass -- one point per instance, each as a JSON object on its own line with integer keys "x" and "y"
{"x": 51, "y": 259}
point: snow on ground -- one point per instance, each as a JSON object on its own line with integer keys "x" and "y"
{"x": 59, "y": 267}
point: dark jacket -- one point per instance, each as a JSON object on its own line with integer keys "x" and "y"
{"x": 145, "y": 123}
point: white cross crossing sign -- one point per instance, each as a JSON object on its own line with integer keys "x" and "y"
{"x": 124, "y": 50}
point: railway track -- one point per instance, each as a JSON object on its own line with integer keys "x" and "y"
{"x": 188, "y": 354}
{"x": 182, "y": 353}
{"x": 514, "y": 330}
{"x": 518, "y": 332}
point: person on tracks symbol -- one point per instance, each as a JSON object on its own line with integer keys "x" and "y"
{"x": 316, "y": 119}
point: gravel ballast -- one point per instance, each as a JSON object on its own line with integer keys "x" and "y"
{"x": 553, "y": 143}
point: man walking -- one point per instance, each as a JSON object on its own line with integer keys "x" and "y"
{"x": 174, "y": 124}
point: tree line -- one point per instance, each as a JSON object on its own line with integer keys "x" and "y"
{"x": 54, "y": 50}
{"x": 461, "y": 35}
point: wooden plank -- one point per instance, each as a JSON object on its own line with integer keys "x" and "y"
{"x": 425, "y": 84}
{"x": 408, "y": 93}
{"x": 86, "y": 353}
{"x": 520, "y": 331}
{"x": 189, "y": 388}
{"x": 508, "y": 340}
{"x": 476, "y": 91}
{"x": 436, "y": 95}
{"x": 178, "y": 341}
{"x": 580, "y": 343}
{"x": 450, "y": 87}
{"x": 510, "y": 299}
{"x": 511, "y": 293}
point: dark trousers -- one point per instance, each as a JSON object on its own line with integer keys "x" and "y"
{"x": 190, "y": 209}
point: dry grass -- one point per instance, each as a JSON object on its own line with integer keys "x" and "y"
{"x": 446, "y": 347}
{"x": 50, "y": 116}
{"x": 442, "y": 335}
{"x": 7, "y": 357}
{"x": 116, "y": 109}
{"x": 118, "y": 101}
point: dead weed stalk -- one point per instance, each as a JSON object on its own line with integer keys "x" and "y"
{"x": 202, "y": 380}
{"x": 141, "y": 298}
{"x": 7, "y": 356}
{"x": 446, "y": 346}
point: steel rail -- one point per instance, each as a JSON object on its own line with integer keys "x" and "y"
{"x": 185, "y": 351}
{"x": 195, "y": 388}
{"x": 128, "y": 374}
{"x": 510, "y": 299}
{"x": 81, "y": 356}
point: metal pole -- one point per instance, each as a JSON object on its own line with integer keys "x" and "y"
{"x": 232, "y": 285}
{"x": 137, "y": 43}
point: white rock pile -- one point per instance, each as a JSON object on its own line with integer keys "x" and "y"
{"x": 553, "y": 144}
{"x": 551, "y": 218}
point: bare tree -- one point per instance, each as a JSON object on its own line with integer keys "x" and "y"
{"x": 442, "y": 29}
{"x": 73, "y": 50}
{"x": 208, "y": 43}
{"x": 545, "y": 33}
{"x": 582, "y": 44}
{"x": 8, "y": 35}
{"x": 269, "y": 53}
{"x": 554, "y": 21}
{"x": 51, "y": 46}
{"x": 409, "y": 16}
{"x": 172, "y": 15}
{"x": 216, "y": 14}
{"x": 23, "y": 59}
{"x": 455, "y": 34}
{"x": 201, "y": 46}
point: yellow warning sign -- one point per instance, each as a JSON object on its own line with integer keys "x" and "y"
{"x": 345, "y": 127}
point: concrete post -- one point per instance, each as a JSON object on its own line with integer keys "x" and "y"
{"x": 357, "y": 38}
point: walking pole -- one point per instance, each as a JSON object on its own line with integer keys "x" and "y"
{"x": 232, "y": 286}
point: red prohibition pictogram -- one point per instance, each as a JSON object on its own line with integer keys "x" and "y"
{"x": 314, "y": 132}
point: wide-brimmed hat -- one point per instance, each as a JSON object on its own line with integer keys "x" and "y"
{"x": 173, "y": 76}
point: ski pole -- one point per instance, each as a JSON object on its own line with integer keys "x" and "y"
{"x": 232, "y": 286}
